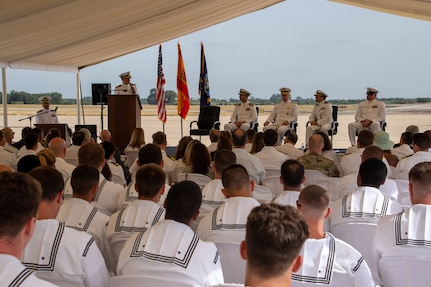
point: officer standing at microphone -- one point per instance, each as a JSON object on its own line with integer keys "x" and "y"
{"x": 46, "y": 115}
{"x": 126, "y": 88}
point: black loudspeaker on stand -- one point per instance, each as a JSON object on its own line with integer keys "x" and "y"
{"x": 100, "y": 94}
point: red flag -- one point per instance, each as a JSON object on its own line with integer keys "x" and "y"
{"x": 160, "y": 90}
{"x": 183, "y": 90}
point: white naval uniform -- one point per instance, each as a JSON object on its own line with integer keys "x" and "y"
{"x": 71, "y": 155}
{"x": 284, "y": 111}
{"x": 289, "y": 149}
{"x": 403, "y": 167}
{"x": 287, "y": 197}
{"x": 171, "y": 249}
{"x": 106, "y": 197}
{"x": 364, "y": 204}
{"x": 374, "y": 110}
{"x": 350, "y": 163}
{"x": 136, "y": 217}
{"x": 117, "y": 172}
{"x": 322, "y": 114}
{"x": 349, "y": 184}
{"x": 11, "y": 148}
{"x": 227, "y": 222}
{"x": 243, "y": 112}
{"x": 7, "y": 158}
{"x": 402, "y": 151}
{"x": 252, "y": 164}
{"x": 406, "y": 234}
{"x": 271, "y": 158}
{"x": 64, "y": 167}
{"x": 129, "y": 194}
{"x": 14, "y": 274}
{"x": 212, "y": 197}
{"x": 81, "y": 215}
{"x": 332, "y": 261}
{"x": 46, "y": 116}
{"x": 126, "y": 89}
{"x": 64, "y": 256}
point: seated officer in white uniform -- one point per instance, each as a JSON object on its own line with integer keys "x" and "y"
{"x": 368, "y": 115}
{"x": 59, "y": 254}
{"x": 212, "y": 195}
{"x": 274, "y": 237}
{"x": 243, "y": 114}
{"x": 227, "y": 222}
{"x": 405, "y": 147}
{"x": 79, "y": 213}
{"x": 107, "y": 194}
{"x": 323, "y": 254}
{"x": 46, "y": 115}
{"x": 366, "y": 203}
{"x": 282, "y": 115}
{"x": 407, "y": 234}
{"x": 170, "y": 248}
{"x": 321, "y": 116}
{"x": 21, "y": 195}
{"x": 140, "y": 214}
{"x": 126, "y": 88}
{"x": 293, "y": 179}
{"x": 421, "y": 144}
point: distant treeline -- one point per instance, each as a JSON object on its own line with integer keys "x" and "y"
{"x": 15, "y": 97}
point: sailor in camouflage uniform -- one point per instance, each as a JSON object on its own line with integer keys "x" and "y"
{"x": 282, "y": 115}
{"x": 46, "y": 115}
{"x": 321, "y": 116}
{"x": 243, "y": 114}
{"x": 316, "y": 161}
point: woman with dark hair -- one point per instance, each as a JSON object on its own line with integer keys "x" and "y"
{"x": 200, "y": 161}
{"x": 116, "y": 170}
{"x": 257, "y": 143}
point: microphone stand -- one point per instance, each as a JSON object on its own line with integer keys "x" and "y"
{"x": 35, "y": 115}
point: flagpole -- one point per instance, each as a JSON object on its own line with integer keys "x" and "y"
{"x": 181, "y": 127}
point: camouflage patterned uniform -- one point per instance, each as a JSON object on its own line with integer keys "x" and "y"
{"x": 318, "y": 162}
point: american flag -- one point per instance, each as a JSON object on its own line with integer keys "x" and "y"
{"x": 160, "y": 90}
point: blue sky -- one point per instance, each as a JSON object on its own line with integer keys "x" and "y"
{"x": 304, "y": 45}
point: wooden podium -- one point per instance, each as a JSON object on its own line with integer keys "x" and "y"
{"x": 124, "y": 115}
{"x": 63, "y": 128}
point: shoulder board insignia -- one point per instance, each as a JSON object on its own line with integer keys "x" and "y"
{"x": 52, "y": 110}
{"x": 250, "y": 104}
{"x": 118, "y": 86}
{"x": 237, "y": 105}
{"x": 39, "y": 111}
{"x": 408, "y": 155}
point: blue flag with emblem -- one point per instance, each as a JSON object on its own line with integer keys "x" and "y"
{"x": 204, "y": 88}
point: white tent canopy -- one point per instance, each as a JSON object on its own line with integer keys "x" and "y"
{"x": 69, "y": 35}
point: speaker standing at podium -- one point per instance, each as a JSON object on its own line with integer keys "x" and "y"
{"x": 46, "y": 115}
{"x": 126, "y": 88}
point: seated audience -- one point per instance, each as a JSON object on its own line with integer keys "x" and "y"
{"x": 189, "y": 258}
{"x": 290, "y": 139}
{"x": 59, "y": 254}
{"x": 20, "y": 196}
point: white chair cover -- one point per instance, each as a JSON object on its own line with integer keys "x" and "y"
{"x": 311, "y": 176}
{"x": 199, "y": 179}
{"x": 262, "y": 193}
{"x": 274, "y": 184}
{"x": 231, "y": 262}
{"x": 405, "y": 271}
{"x": 139, "y": 281}
{"x": 359, "y": 235}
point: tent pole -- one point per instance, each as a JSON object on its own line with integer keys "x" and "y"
{"x": 4, "y": 97}
{"x": 78, "y": 96}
